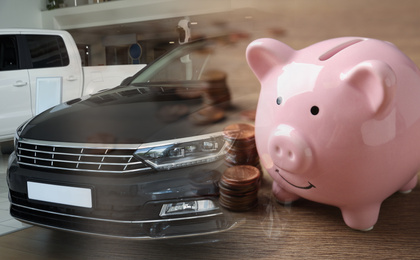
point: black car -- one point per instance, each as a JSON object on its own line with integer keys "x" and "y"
{"x": 141, "y": 160}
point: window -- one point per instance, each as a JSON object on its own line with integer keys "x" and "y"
{"x": 8, "y": 53}
{"x": 185, "y": 63}
{"x": 47, "y": 51}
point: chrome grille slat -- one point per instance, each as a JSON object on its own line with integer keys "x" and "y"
{"x": 41, "y": 159}
{"x": 92, "y": 158}
{"x": 85, "y": 170}
{"x": 92, "y": 155}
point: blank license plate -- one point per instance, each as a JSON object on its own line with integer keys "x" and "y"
{"x": 74, "y": 196}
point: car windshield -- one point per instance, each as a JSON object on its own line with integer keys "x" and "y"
{"x": 187, "y": 62}
{"x": 206, "y": 62}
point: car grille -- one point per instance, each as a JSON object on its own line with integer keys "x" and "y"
{"x": 80, "y": 157}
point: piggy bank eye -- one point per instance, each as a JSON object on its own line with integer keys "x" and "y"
{"x": 279, "y": 100}
{"x": 314, "y": 110}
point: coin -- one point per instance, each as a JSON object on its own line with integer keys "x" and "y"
{"x": 238, "y": 188}
{"x": 242, "y": 160}
{"x": 241, "y": 174}
{"x": 240, "y": 146}
{"x": 242, "y": 149}
{"x": 216, "y": 92}
{"x": 245, "y": 149}
{"x": 189, "y": 93}
{"x": 239, "y": 132}
{"x": 232, "y": 190}
{"x": 245, "y": 205}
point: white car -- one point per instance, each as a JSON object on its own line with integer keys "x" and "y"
{"x": 42, "y": 68}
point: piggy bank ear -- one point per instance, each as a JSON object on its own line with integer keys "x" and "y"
{"x": 377, "y": 81}
{"x": 265, "y": 54}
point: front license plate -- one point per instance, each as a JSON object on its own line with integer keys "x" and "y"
{"x": 74, "y": 196}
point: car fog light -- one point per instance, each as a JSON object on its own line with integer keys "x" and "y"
{"x": 187, "y": 207}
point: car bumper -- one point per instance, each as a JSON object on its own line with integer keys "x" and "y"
{"x": 126, "y": 206}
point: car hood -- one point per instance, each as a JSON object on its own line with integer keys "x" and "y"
{"x": 124, "y": 115}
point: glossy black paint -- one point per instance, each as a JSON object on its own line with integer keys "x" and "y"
{"x": 130, "y": 113}
{"x": 123, "y": 115}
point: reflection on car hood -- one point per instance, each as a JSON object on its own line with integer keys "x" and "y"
{"x": 133, "y": 114}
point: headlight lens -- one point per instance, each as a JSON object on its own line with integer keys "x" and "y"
{"x": 183, "y": 152}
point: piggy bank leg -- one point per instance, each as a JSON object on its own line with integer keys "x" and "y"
{"x": 282, "y": 195}
{"x": 361, "y": 218}
{"x": 410, "y": 185}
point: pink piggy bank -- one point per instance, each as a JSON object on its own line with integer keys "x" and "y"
{"x": 338, "y": 123}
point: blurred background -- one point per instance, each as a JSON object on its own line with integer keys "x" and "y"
{"x": 105, "y": 30}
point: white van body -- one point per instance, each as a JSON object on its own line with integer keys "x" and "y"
{"x": 42, "y": 68}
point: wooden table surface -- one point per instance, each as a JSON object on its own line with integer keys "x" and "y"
{"x": 306, "y": 230}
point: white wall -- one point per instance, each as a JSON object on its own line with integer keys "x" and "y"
{"x": 21, "y": 13}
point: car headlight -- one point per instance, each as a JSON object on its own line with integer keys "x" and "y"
{"x": 183, "y": 152}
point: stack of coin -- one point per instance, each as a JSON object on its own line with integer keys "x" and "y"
{"x": 242, "y": 149}
{"x": 191, "y": 92}
{"x": 216, "y": 92}
{"x": 238, "y": 188}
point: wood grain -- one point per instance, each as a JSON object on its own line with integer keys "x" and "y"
{"x": 271, "y": 231}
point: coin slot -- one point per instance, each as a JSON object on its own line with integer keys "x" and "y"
{"x": 337, "y": 49}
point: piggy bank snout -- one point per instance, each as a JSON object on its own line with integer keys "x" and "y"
{"x": 289, "y": 150}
